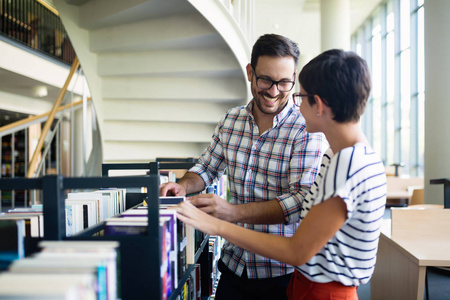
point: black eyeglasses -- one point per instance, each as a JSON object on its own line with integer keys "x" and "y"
{"x": 266, "y": 83}
{"x": 297, "y": 97}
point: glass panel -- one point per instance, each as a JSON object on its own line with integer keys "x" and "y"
{"x": 421, "y": 120}
{"x": 358, "y": 49}
{"x": 405, "y": 109}
{"x": 390, "y": 92}
{"x": 376, "y": 90}
{"x": 401, "y": 36}
{"x": 421, "y": 90}
{"x": 420, "y": 51}
{"x": 404, "y": 24}
{"x": 390, "y": 17}
{"x": 376, "y": 27}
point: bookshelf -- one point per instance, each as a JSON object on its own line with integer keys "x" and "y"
{"x": 134, "y": 198}
{"x": 202, "y": 255}
{"x": 140, "y": 255}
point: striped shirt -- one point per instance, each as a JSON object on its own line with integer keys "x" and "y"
{"x": 355, "y": 174}
{"x": 281, "y": 163}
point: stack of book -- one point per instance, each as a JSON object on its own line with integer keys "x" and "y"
{"x": 33, "y": 218}
{"x": 215, "y": 244}
{"x": 89, "y": 208}
{"x": 174, "y": 242}
{"x": 64, "y": 270}
{"x": 82, "y": 211}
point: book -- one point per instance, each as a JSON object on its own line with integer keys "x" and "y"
{"x": 171, "y": 200}
{"x": 117, "y": 198}
{"x": 100, "y": 203}
{"x": 198, "y": 282}
{"x": 172, "y": 232}
{"x": 126, "y": 226}
{"x": 106, "y": 252}
{"x": 12, "y": 234}
{"x": 47, "y": 286}
{"x": 66, "y": 265}
{"x": 34, "y": 221}
{"x": 81, "y": 213}
{"x": 166, "y": 176}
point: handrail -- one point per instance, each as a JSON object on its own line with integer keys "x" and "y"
{"x": 51, "y": 117}
{"x": 37, "y": 25}
{"x": 9, "y": 128}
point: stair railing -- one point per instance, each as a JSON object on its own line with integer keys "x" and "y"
{"x": 35, "y": 167}
{"x": 32, "y": 167}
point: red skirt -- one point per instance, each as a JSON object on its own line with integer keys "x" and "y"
{"x": 301, "y": 288}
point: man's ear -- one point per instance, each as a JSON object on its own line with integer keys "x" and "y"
{"x": 249, "y": 72}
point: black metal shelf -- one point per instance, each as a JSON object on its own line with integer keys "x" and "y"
{"x": 140, "y": 256}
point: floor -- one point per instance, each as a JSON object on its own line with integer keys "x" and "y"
{"x": 438, "y": 282}
{"x": 438, "y": 286}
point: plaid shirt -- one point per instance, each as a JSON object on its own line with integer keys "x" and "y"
{"x": 281, "y": 163}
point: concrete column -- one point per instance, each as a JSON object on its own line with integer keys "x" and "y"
{"x": 335, "y": 24}
{"x": 437, "y": 93}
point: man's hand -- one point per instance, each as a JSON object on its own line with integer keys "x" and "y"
{"x": 171, "y": 189}
{"x": 214, "y": 205}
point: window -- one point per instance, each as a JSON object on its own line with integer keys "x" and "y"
{"x": 392, "y": 42}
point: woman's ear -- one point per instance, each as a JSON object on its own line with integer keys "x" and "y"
{"x": 249, "y": 72}
{"x": 319, "y": 105}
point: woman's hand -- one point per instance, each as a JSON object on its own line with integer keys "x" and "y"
{"x": 193, "y": 216}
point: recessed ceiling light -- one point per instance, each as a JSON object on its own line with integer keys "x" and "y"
{"x": 39, "y": 91}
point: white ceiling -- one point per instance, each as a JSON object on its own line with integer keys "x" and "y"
{"x": 359, "y": 10}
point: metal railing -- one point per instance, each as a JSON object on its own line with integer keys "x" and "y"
{"x": 35, "y": 24}
{"x": 46, "y": 157}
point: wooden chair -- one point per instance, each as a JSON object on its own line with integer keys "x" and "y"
{"x": 400, "y": 189}
{"x": 416, "y": 197}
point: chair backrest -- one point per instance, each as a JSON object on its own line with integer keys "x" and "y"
{"x": 417, "y": 197}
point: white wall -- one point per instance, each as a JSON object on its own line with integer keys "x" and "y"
{"x": 288, "y": 18}
{"x": 437, "y": 105}
{"x": 300, "y": 20}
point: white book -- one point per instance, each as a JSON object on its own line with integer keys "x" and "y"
{"x": 33, "y": 222}
{"x": 47, "y": 286}
{"x": 92, "y": 196}
{"x": 106, "y": 251}
{"x": 81, "y": 212}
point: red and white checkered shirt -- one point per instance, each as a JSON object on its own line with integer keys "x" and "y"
{"x": 281, "y": 163}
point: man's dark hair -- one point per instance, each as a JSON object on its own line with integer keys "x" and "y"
{"x": 274, "y": 45}
{"x": 341, "y": 79}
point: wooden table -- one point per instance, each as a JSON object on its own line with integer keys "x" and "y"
{"x": 423, "y": 240}
{"x": 399, "y": 190}
{"x": 398, "y": 198}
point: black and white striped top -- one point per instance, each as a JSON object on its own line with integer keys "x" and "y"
{"x": 356, "y": 174}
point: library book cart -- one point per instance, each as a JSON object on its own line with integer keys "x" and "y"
{"x": 140, "y": 255}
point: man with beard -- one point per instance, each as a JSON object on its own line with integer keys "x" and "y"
{"x": 271, "y": 162}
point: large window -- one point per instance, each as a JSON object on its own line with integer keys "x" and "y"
{"x": 392, "y": 42}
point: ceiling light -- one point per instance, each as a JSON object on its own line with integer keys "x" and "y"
{"x": 39, "y": 91}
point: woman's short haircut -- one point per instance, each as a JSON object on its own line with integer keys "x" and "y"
{"x": 341, "y": 79}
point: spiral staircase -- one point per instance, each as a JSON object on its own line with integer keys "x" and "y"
{"x": 161, "y": 72}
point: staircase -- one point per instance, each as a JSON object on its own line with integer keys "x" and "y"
{"x": 161, "y": 72}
